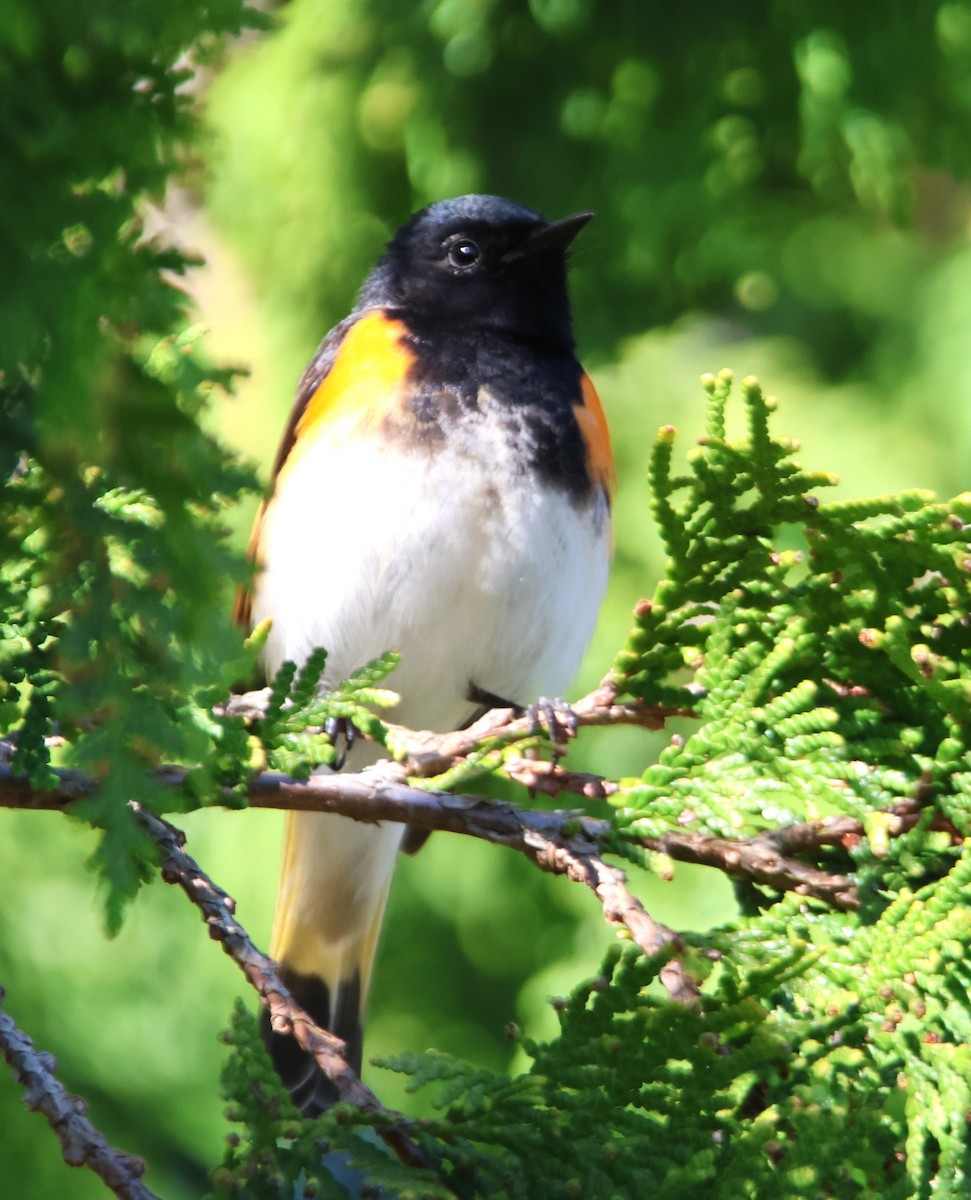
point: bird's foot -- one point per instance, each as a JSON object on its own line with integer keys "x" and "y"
{"x": 343, "y": 733}
{"x": 557, "y": 718}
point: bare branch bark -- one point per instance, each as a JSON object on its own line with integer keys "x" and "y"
{"x": 545, "y": 838}
{"x": 380, "y": 794}
{"x": 286, "y": 1016}
{"x": 565, "y": 842}
{"x": 81, "y": 1143}
{"x": 434, "y": 753}
{"x": 620, "y": 906}
{"x": 759, "y": 860}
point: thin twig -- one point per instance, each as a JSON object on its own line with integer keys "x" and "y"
{"x": 286, "y": 1016}
{"x": 429, "y": 754}
{"x": 81, "y": 1143}
{"x": 620, "y": 906}
{"x": 759, "y": 860}
{"x": 548, "y": 778}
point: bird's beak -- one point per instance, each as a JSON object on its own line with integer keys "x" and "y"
{"x": 555, "y": 236}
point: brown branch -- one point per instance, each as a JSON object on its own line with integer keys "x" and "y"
{"x": 759, "y": 860}
{"x": 431, "y": 754}
{"x": 427, "y": 754}
{"x": 81, "y": 1143}
{"x": 381, "y": 794}
{"x": 620, "y": 906}
{"x": 385, "y": 795}
{"x": 375, "y": 795}
{"x": 286, "y": 1016}
{"x": 545, "y": 838}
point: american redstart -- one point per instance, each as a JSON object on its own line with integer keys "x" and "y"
{"x": 442, "y": 489}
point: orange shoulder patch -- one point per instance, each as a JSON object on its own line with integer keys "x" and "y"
{"x": 596, "y": 436}
{"x": 363, "y": 381}
{"x": 366, "y": 377}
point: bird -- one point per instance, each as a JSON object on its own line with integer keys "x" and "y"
{"x": 443, "y": 490}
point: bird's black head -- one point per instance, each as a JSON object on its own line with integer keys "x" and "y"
{"x": 480, "y": 262}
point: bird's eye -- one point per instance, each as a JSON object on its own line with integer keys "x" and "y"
{"x": 463, "y": 253}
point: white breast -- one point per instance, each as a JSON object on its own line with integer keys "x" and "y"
{"x": 471, "y": 568}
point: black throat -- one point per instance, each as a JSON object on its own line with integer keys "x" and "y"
{"x": 526, "y": 389}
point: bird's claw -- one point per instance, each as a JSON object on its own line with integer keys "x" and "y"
{"x": 557, "y": 718}
{"x": 343, "y": 734}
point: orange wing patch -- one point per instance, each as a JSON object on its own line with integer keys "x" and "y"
{"x": 596, "y": 436}
{"x": 366, "y": 377}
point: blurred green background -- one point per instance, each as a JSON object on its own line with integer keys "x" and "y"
{"x": 781, "y": 188}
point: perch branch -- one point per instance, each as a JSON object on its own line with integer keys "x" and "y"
{"x": 81, "y": 1143}
{"x": 545, "y": 838}
{"x": 569, "y": 841}
{"x": 431, "y": 754}
{"x": 427, "y": 754}
{"x": 382, "y": 794}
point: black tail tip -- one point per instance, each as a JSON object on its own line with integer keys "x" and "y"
{"x": 310, "y": 1089}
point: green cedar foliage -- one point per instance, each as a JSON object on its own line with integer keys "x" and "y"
{"x": 824, "y": 650}
{"x": 112, "y": 565}
{"x": 822, "y": 646}
{"x": 293, "y": 733}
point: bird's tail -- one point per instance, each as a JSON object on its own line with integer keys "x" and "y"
{"x": 334, "y": 880}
